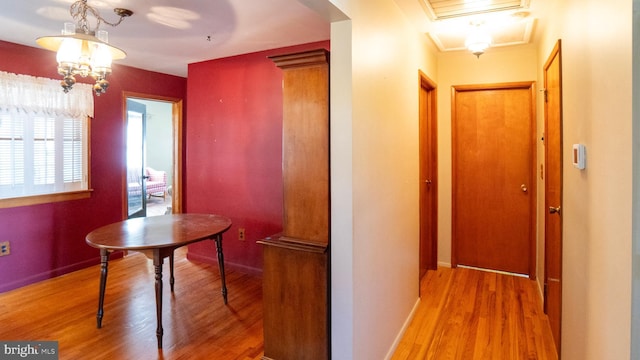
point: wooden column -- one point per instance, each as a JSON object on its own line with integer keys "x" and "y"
{"x": 296, "y": 266}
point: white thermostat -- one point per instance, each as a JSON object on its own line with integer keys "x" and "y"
{"x": 578, "y": 156}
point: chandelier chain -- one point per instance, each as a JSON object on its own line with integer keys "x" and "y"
{"x": 78, "y": 11}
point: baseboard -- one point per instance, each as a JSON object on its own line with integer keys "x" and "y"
{"x": 406, "y": 324}
{"x": 444, "y": 264}
{"x": 227, "y": 264}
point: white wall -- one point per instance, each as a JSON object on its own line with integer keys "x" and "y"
{"x": 597, "y": 223}
{"x": 635, "y": 318}
{"x": 342, "y": 281}
{"x": 159, "y": 136}
{"x": 374, "y": 171}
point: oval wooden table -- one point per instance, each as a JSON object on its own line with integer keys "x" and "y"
{"x": 157, "y": 237}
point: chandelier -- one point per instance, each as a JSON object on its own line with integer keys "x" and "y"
{"x": 84, "y": 51}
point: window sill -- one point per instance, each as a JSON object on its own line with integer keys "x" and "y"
{"x": 44, "y": 199}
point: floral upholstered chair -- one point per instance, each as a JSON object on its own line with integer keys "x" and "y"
{"x": 156, "y": 183}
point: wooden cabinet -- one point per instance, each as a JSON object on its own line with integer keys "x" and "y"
{"x": 296, "y": 262}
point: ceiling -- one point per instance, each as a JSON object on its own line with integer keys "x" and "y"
{"x": 166, "y": 35}
{"x": 508, "y": 22}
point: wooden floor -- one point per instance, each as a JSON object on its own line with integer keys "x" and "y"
{"x": 470, "y": 314}
{"x": 157, "y": 205}
{"x": 197, "y": 324}
{"x": 464, "y": 314}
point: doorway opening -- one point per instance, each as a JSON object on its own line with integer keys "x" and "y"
{"x": 153, "y": 167}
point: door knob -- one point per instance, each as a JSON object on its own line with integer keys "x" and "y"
{"x": 524, "y": 188}
{"x": 554, "y": 210}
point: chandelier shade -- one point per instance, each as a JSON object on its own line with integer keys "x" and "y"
{"x": 54, "y": 43}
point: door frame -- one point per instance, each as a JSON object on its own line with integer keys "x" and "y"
{"x": 177, "y": 126}
{"x": 530, "y": 85}
{"x": 428, "y": 158}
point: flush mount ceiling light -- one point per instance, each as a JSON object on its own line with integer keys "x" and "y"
{"x": 478, "y": 40}
{"x": 84, "y": 51}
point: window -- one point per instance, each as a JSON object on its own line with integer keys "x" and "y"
{"x": 43, "y": 137}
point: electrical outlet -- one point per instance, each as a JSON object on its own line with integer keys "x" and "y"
{"x": 5, "y": 249}
{"x": 241, "y": 234}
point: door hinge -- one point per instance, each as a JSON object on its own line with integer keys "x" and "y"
{"x": 546, "y": 98}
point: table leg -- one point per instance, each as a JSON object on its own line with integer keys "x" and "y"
{"x": 171, "y": 278}
{"x": 104, "y": 261}
{"x": 157, "y": 263}
{"x": 218, "y": 240}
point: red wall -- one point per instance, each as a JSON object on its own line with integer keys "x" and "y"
{"x": 234, "y": 150}
{"x": 233, "y": 162}
{"x": 48, "y": 240}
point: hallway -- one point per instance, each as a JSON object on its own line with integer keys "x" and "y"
{"x": 471, "y": 314}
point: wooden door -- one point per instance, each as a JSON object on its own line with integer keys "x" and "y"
{"x": 493, "y": 128}
{"x": 428, "y": 176}
{"x": 553, "y": 192}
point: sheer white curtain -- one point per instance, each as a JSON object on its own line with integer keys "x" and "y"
{"x": 42, "y": 95}
{"x": 43, "y": 136}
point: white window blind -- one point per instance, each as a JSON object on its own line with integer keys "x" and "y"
{"x": 43, "y": 136}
